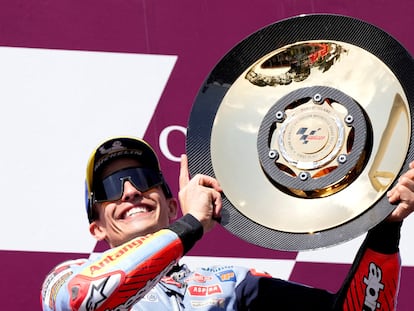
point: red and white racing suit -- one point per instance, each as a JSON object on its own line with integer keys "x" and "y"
{"x": 143, "y": 274}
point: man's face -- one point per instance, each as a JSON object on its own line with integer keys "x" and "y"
{"x": 135, "y": 214}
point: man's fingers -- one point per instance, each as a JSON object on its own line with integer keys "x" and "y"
{"x": 402, "y": 195}
{"x": 202, "y": 180}
{"x": 203, "y": 189}
{"x": 209, "y": 182}
{"x": 404, "y": 187}
{"x": 217, "y": 206}
{"x": 400, "y": 213}
{"x": 393, "y": 196}
{"x": 184, "y": 174}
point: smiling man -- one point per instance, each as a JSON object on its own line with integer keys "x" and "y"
{"x": 141, "y": 210}
{"x": 130, "y": 206}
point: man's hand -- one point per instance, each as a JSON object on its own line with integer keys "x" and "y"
{"x": 402, "y": 195}
{"x": 199, "y": 196}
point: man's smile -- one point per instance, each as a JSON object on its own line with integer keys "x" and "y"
{"x": 136, "y": 210}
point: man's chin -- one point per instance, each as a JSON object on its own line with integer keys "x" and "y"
{"x": 139, "y": 229}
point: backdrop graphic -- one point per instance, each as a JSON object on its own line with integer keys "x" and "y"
{"x": 75, "y": 72}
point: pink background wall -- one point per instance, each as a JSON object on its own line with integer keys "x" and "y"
{"x": 199, "y": 33}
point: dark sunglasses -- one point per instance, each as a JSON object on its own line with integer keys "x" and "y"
{"x": 111, "y": 187}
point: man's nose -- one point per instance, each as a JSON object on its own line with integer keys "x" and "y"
{"x": 130, "y": 192}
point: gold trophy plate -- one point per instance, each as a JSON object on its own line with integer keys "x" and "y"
{"x": 306, "y": 124}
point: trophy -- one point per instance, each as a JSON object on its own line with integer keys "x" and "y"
{"x": 306, "y": 124}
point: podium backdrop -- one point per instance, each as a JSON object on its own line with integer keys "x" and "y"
{"x": 73, "y": 73}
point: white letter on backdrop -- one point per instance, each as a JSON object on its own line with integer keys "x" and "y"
{"x": 163, "y": 141}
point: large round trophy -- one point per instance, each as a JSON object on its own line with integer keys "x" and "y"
{"x": 306, "y": 124}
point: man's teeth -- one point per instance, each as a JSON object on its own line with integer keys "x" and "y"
{"x": 136, "y": 210}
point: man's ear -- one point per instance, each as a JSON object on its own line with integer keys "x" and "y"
{"x": 97, "y": 231}
{"x": 172, "y": 208}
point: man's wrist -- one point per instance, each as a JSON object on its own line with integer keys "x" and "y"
{"x": 385, "y": 237}
{"x": 188, "y": 229}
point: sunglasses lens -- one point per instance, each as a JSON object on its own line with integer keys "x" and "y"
{"x": 112, "y": 187}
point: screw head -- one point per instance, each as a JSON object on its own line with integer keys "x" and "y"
{"x": 303, "y": 176}
{"x": 342, "y": 158}
{"x": 317, "y": 98}
{"x": 280, "y": 116}
{"x": 273, "y": 154}
{"x": 349, "y": 119}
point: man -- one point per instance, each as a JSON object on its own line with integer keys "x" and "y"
{"x": 130, "y": 206}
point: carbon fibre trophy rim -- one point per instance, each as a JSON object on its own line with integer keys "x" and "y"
{"x": 206, "y": 124}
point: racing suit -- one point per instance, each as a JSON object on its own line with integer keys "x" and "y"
{"x": 144, "y": 274}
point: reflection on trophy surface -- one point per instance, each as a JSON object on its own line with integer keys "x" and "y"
{"x": 295, "y": 63}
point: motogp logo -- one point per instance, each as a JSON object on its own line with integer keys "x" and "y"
{"x": 307, "y": 135}
{"x": 374, "y": 286}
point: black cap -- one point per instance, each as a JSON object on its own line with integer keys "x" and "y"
{"x": 116, "y": 148}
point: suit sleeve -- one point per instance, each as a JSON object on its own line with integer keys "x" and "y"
{"x": 120, "y": 276}
{"x": 373, "y": 281}
{"x": 371, "y": 285}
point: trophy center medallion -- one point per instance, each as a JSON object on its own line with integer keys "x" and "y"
{"x": 309, "y": 138}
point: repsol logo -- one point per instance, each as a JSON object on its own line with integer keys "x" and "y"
{"x": 374, "y": 286}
